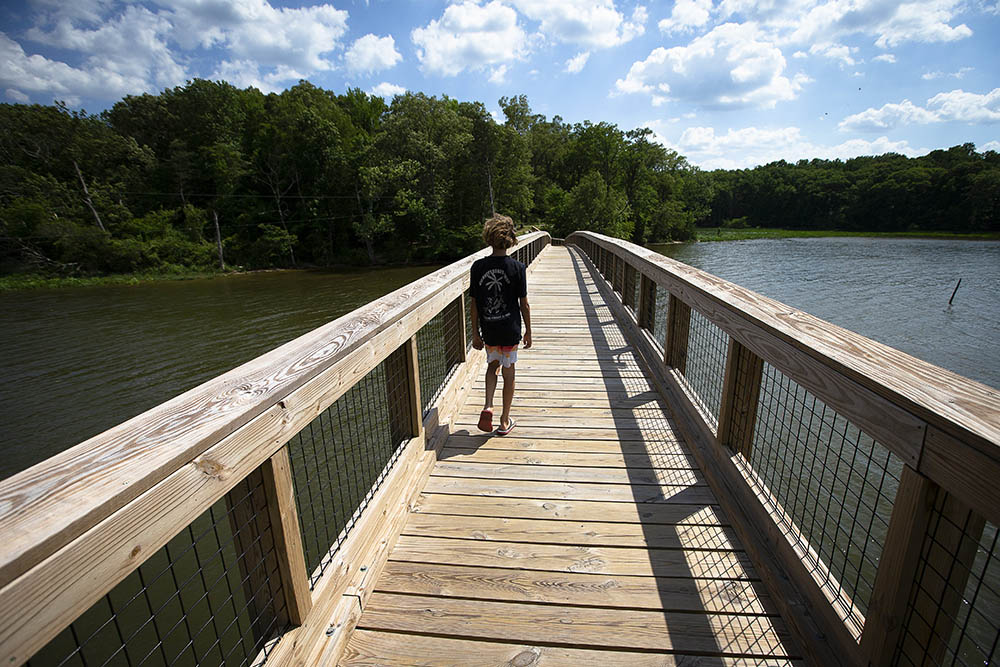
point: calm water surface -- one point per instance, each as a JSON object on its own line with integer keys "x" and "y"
{"x": 76, "y": 361}
{"x": 895, "y": 291}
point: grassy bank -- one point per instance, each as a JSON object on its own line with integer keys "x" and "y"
{"x": 727, "y": 234}
{"x": 34, "y": 281}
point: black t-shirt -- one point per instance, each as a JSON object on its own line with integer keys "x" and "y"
{"x": 498, "y": 283}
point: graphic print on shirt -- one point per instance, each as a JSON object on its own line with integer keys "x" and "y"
{"x": 495, "y": 308}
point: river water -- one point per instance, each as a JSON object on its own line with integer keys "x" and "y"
{"x": 894, "y": 291}
{"x": 76, "y": 361}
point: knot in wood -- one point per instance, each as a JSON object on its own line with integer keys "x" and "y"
{"x": 211, "y": 468}
{"x": 525, "y": 658}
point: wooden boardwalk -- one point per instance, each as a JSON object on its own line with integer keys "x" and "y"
{"x": 587, "y": 536}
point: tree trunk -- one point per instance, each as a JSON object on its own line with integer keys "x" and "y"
{"x": 87, "y": 200}
{"x": 218, "y": 239}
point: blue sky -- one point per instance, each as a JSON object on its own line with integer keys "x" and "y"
{"x": 727, "y": 83}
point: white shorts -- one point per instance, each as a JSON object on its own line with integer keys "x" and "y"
{"x": 505, "y": 354}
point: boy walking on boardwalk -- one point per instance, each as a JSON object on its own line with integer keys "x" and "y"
{"x": 499, "y": 290}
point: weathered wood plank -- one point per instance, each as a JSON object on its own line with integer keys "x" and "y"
{"x": 661, "y": 461}
{"x": 622, "y": 493}
{"x": 522, "y": 622}
{"x": 370, "y": 647}
{"x": 570, "y": 510}
{"x": 667, "y": 593}
{"x": 660, "y": 447}
{"x": 588, "y": 533}
{"x": 568, "y": 474}
{"x": 570, "y": 558}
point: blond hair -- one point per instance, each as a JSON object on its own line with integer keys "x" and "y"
{"x": 498, "y": 232}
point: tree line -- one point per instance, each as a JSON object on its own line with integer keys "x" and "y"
{"x": 208, "y": 175}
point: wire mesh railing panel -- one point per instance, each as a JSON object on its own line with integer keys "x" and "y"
{"x": 210, "y": 596}
{"x": 341, "y": 458}
{"x": 953, "y": 613}
{"x": 629, "y": 288}
{"x": 705, "y": 367}
{"x": 830, "y": 486}
{"x": 660, "y": 315}
{"x": 438, "y": 349}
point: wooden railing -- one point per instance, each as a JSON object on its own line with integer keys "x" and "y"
{"x": 863, "y": 481}
{"x": 181, "y": 536}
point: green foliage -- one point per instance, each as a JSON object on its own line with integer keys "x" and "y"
{"x": 309, "y": 177}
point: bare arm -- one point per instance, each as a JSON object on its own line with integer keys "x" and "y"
{"x": 526, "y": 316}
{"x": 477, "y": 341}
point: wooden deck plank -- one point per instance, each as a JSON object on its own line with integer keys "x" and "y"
{"x": 622, "y": 493}
{"x": 676, "y": 460}
{"x": 568, "y": 474}
{"x": 590, "y": 533}
{"x": 370, "y": 647}
{"x": 570, "y": 510}
{"x": 515, "y": 442}
{"x": 595, "y": 590}
{"x": 573, "y": 558}
{"x": 732, "y": 635}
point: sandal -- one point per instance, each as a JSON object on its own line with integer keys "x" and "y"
{"x": 486, "y": 420}
{"x": 510, "y": 427}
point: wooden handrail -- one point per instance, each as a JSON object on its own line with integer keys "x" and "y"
{"x": 79, "y": 522}
{"x": 944, "y": 428}
{"x": 895, "y": 396}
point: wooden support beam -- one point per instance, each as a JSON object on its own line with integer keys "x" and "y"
{"x": 253, "y": 539}
{"x": 740, "y": 393}
{"x": 678, "y": 328}
{"x": 463, "y": 336}
{"x": 413, "y": 382}
{"x": 280, "y": 490}
{"x": 948, "y": 550}
{"x": 911, "y": 512}
{"x": 647, "y": 302}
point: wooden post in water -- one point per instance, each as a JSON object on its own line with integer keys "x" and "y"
{"x": 954, "y": 291}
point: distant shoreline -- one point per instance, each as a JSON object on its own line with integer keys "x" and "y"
{"x": 713, "y": 234}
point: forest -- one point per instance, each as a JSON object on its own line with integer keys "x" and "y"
{"x": 207, "y": 176}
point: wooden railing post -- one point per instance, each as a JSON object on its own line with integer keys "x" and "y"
{"x": 740, "y": 393}
{"x": 949, "y": 559}
{"x": 280, "y": 491}
{"x": 647, "y": 302}
{"x": 678, "y": 327}
{"x": 415, "y": 406}
{"x": 463, "y": 336}
{"x": 628, "y": 294}
{"x": 904, "y": 540}
{"x": 256, "y": 555}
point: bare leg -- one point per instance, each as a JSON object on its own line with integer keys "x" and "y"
{"x": 491, "y": 384}
{"x": 508, "y": 395}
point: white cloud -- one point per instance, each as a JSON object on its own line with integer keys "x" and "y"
{"x": 955, "y": 106}
{"x": 731, "y": 66}
{"x": 687, "y": 15}
{"x": 888, "y": 23}
{"x": 16, "y": 95}
{"x": 751, "y": 146}
{"x": 469, "y": 36}
{"x": 248, "y": 74}
{"x": 577, "y": 62}
{"x": 990, "y": 146}
{"x": 837, "y": 52}
{"x": 372, "y": 54}
{"x": 387, "y": 90}
{"x": 498, "y": 74}
{"x": 51, "y": 79}
{"x": 590, "y": 23}
{"x": 960, "y": 74}
{"x": 299, "y": 38}
{"x": 885, "y": 58}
